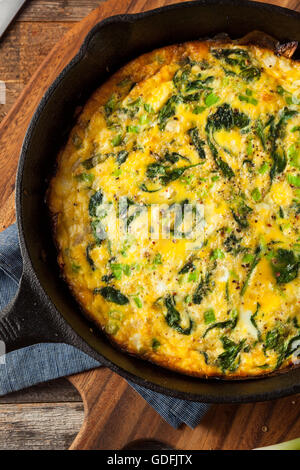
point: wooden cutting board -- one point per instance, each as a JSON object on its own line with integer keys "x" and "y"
{"x": 114, "y": 413}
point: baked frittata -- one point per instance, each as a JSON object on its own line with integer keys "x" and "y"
{"x": 213, "y": 126}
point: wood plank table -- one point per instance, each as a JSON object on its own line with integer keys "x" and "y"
{"x": 49, "y": 416}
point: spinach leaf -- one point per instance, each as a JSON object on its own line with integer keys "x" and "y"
{"x": 174, "y": 157}
{"x": 231, "y": 244}
{"x": 241, "y": 213}
{"x": 285, "y": 115}
{"x": 276, "y": 135}
{"x": 275, "y": 340}
{"x": 181, "y": 76}
{"x": 256, "y": 260}
{"x": 225, "y": 168}
{"x": 227, "y": 118}
{"x": 188, "y": 267}
{"x": 89, "y": 259}
{"x": 133, "y": 216}
{"x": 111, "y": 294}
{"x": 228, "y": 324}
{"x": 206, "y": 357}
{"x": 239, "y": 58}
{"x": 253, "y": 321}
{"x": 293, "y": 346}
{"x": 173, "y": 317}
{"x": 285, "y": 266}
{"x": 155, "y": 170}
{"x": 110, "y": 105}
{"x": 279, "y": 163}
{"x": 122, "y": 156}
{"x": 172, "y": 175}
{"x": 227, "y": 294}
{"x": 85, "y": 177}
{"x": 94, "y": 161}
{"x": 199, "y": 84}
{"x": 190, "y": 98}
{"x": 164, "y": 173}
{"x": 167, "y": 111}
{"x": 96, "y": 225}
{"x": 95, "y": 201}
{"x": 240, "y": 120}
{"x": 273, "y": 132}
{"x": 155, "y": 344}
{"x": 260, "y": 132}
{"x": 144, "y": 188}
{"x": 107, "y": 277}
{"x": 229, "y": 360}
{"x": 205, "y": 286}
{"x": 251, "y": 73}
{"x": 197, "y": 142}
{"x": 224, "y": 118}
{"x": 232, "y": 56}
{"x": 124, "y": 204}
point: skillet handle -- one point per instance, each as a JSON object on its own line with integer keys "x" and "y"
{"x": 26, "y": 320}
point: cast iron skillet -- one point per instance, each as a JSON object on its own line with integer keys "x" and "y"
{"x": 44, "y": 310}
